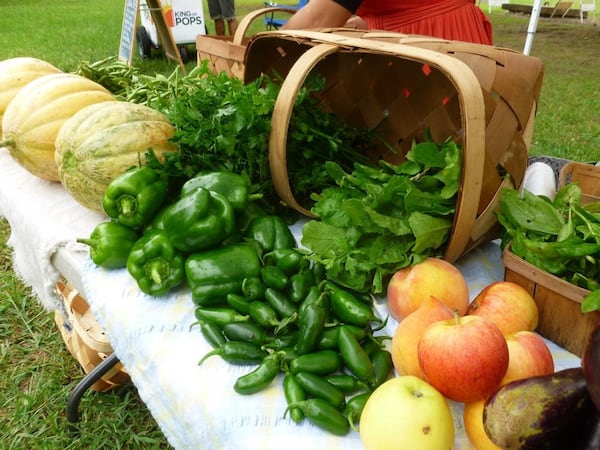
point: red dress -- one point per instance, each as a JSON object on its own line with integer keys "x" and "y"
{"x": 458, "y": 20}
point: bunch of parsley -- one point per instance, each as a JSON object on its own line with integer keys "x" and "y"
{"x": 376, "y": 221}
{"x": 223, "y": 124}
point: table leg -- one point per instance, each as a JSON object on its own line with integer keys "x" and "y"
{"x": 87, "y": 381}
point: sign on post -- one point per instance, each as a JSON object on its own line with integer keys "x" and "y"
{"x": 128, "y": 31}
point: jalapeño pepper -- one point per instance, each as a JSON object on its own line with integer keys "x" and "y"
{"x": 253, "y": 288}
{"x": 133, "y": 197}
{"x": 354, "y": 356}
{"x": 348, "y": 308}
{"x": 354, "y": 408}
{"x": 245, "y": 332}
{"x": 213, "y": 274}
{"x": 261, "y": 377}
{"x": 322, "y": 362}
{"x": 300, "y": 284}
{"x": 219, "y": 316}
{"x": 198, "y": 221}
{"x": 212, "y": 333}
{"x": 293, "y": 393}
{"x": 383, "y": 366}
{"x": 320, "y": 388}
{"x": 270, "y": 232}
{"x": 237, "y": 353}
{"x": 290, "y": 260}
{"x": 324, "y": 415}
{"x": 311, "y": 321}
{"x": 155, "y": 264}
{"x": 110, "y": 243}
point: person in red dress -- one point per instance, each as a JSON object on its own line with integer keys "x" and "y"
{"x": 459, "y": 20}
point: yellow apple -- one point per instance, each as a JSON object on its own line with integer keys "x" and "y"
{"x": 408, "y": 334}
{"x": 406, "y": 413}
{"x": 528, "y": 356}
{"x": 508, "y": 305}
{"x": 473, "y": 421}
{"x": 409, "y": 287}
{"x": 464, "y": 358}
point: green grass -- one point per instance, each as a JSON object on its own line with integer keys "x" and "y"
{"x": 37, "y": 371}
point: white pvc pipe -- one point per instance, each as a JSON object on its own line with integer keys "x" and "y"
{"x": 533, "y": 22}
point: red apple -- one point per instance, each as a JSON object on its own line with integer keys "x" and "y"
{"x": 528, "y": 356}
{"x": 409, "y": 287}
{"x": 508, "y": 305}
{"x": 408, "y": 333}
{"x": 465, "y": 358}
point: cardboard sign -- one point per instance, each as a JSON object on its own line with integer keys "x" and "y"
{"x": 128, "y": 31}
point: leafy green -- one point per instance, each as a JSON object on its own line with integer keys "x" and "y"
{"x": 376, "y": 221}
{"x": 561, "y": 237}
{"x": 223, "y": 124}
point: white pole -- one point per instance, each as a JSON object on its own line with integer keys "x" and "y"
{"x": 533, "y": 22}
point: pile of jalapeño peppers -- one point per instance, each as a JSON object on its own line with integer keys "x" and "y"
{"x": 259, "y": 300}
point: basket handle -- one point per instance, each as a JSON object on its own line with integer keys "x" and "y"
{"x": 282, "y": 113}
{"x": 247, "y": 20}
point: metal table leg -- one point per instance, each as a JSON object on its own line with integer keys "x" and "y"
{"x": 87, "y": 381}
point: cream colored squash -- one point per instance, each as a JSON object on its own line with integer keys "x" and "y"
{"x": 35, "y": 115}
{"x": 102, "y": 141}
{"x": 16, "y": 73}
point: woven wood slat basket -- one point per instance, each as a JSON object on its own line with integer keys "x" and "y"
{"x": 485, "y": 98}
{"x": 85, "y": 339}
{"x": 226, "y": 53}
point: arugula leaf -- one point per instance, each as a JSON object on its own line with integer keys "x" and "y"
{"x": 430, "y": 232}
{"x": 563, "y": 239}
{"x": 530, "y": 212}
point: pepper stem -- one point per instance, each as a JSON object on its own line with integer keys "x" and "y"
{"x": 127, "y": 205}
{"x": 157, "y": 270}
{"x": 90, "y": 242}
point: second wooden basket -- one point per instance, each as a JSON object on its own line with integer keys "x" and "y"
{"x": 485, "y": 98}
{"x": 85, "y": 339}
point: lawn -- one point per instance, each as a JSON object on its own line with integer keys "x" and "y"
{"x": 38, "y": 372}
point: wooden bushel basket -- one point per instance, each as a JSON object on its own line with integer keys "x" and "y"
{"x": 85, "y": 339}
{"x": 485, "y": 98}
{"x": 226, "y": 53}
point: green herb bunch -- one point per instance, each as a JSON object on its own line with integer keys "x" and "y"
{"x": 561, "y": 237}
{"x": 379, "y": 220}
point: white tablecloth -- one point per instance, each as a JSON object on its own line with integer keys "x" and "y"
{"x": 195, "y": 406}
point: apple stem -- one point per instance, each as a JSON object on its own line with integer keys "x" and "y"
{"x": 456, "y": 317}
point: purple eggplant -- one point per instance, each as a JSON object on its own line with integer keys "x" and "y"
{"x": 590, "y": 361}
{"x": 549, "y": 412}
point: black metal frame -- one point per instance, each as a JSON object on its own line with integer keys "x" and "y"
{"x": 92, "y": 377}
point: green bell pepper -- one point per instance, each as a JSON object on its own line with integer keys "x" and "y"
{"x": 110, "y": 243}
{"x": 155, "y": 264}
{"x": 230, "y": 185}
{"x": 270, "y": 232}
{"x": 198, "y": 221}
{"x": 135, "y": 196}
{"x": 214, "y": 273}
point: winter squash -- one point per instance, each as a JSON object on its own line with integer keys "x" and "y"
{"x": 35, "y": 115}
{"x": 102, "y": 141}
{"x": 16, "y": 73}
